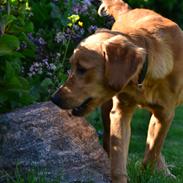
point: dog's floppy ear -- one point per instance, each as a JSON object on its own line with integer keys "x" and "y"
{"x": 123, "y": 60}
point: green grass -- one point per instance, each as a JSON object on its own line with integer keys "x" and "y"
{"x": 31, "y": 176}
{"x": 173, "y": 149}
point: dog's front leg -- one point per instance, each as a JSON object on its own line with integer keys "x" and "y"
{"x": 120, "y": 116}
{"x": 105, "y": 110}
{"x": 158, "y": 128}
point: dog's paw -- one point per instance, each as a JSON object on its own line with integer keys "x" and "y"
{"x": 164, "y": 168}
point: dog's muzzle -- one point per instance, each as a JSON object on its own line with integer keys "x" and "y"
{"x": 56, "y": 100}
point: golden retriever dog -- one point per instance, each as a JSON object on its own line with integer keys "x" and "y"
{"x": 137, "y": 63}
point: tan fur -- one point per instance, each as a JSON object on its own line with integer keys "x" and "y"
{"x": 107, "y": 65}
{"x": 160, "y": 65}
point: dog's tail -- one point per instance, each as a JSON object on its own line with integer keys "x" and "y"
{"x": 113, "y": 8}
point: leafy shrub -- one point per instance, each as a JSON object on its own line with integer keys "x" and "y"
{"x": 14, "y": 26}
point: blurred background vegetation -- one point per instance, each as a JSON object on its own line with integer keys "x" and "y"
{"x": 38, "y": 37}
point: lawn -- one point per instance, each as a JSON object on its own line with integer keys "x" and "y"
{"x": 173, "y": 149}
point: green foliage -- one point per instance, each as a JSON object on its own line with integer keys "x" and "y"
{"x": 8, "y": 44}
{"x": 32, "y": 176}
{"x": 14, "y": 87}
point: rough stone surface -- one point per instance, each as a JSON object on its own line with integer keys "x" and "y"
{"x": 45, "y": 137}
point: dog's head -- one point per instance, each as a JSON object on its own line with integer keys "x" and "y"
{"x": 101, "y": 66}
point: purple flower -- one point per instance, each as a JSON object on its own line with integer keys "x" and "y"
{"x": 76, "y": 27}
{"x": 88, "y": 2}
{"x": 45, "y": 61}
{"x": 38, "y": 41}
{"x": 80, "y": 8}
{"x": 76, "y": 9}
{"x": 60, "y": 37}
{"x": 31, "y": 38}
{"x": 92, "y": 28}
{"x": 55, "y": 1}
{"x": 23, "y": 45}
{"x": 82, "y": 31}
{"x": 41, "y": 41}
{"x": 36, "y": 68}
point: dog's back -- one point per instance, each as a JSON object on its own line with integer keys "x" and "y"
{"x": 162, "y": 37}
{"x": 127, "y": 19}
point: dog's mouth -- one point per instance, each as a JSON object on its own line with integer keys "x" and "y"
{"x": 81, "y": 109}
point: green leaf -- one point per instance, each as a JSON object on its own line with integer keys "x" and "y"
{"x": 9, "y": 72}
{"x": 46, "y": 83}
{"x": 8, "y": 43}
{"x": 15, "y": 83}
{"x": 29, "y": 53}
{"x": 5, "y": 21}
{"x": 29, "y": 27}
{"x": 24, "y": 83}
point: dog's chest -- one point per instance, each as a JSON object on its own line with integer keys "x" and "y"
{"x": 144, "y": 96}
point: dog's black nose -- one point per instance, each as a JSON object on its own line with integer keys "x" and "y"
{"x": 56, "y": 99}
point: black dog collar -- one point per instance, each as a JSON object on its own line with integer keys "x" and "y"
{"x": 143, "y": 72}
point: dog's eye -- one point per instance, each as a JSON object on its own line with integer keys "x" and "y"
{"x": 81, "y": 70}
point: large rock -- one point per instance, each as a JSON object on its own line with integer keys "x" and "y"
{"x": 60, "y": 145}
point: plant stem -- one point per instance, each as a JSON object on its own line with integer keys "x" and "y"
{"x": 66, "y": 50}
{"x": 8, "y": 7}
